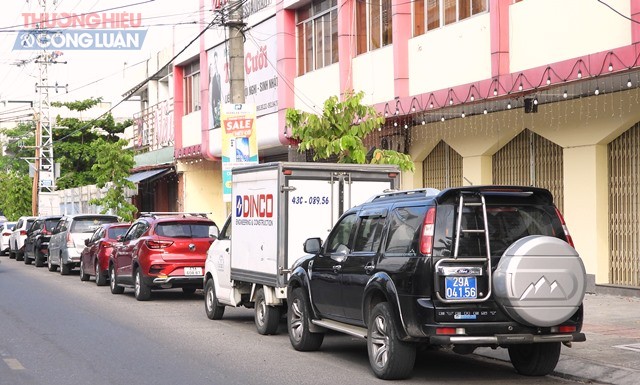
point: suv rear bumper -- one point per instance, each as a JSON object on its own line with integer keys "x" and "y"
{"x": 507, "y": 339}
{"x": 177, "y": 281}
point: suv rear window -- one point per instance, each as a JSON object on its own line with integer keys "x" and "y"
{"x": 89, "y": 224}
{"x": 49, "y": 224}
{"x": 507, "y": 224}
{"x": 186, "y": 230}
{"x": 404, "y": 230}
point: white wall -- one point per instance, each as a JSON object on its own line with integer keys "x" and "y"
{"x": 373, "y": 73}
{"x": 313, "y": 88}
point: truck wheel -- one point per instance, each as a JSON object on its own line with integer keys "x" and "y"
{"x": 390, "y": 358}
{"x": 51, "y": 266}
{"x": 266, "y": 317}
{"x": 212, "y": 307}
{"x": 83, "y": 276}
{"x": 115, "y": 288}
{"x": 101, "y": 280}
{"x": 141, "y": 290}
{"x": 298, "y": 320}
{"x": 535, "y": 359}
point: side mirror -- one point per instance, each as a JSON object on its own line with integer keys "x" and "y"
{"x": 86, "y": 242}
{"x": 312, "y": 245}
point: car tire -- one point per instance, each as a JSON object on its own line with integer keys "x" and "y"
{"x": 19, "y": 256}
{"x": 115, "y": 288}
{"x": 212, "y": 307}
{"x": 39, "y": 259}
{"x": 142, "y": 291}
{"x": 298, "y": 321}
{"x": 389, "y": 357}
{"x": 83, "y": 276}
{"x": 535, "y": 359}
{"x": 27, "y": 260}
{"x": 266, "y": 317}
{"x": 51, "y": 266}
{"x": 101, "y": 279}
{"x": 12, "y": 254}
{"x": 64, "y": 269}
{"x": 189, "y": 290}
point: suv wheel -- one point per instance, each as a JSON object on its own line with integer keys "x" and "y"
{"x": 298, "y": 320}
{"x": 39, "y": 259}
{"x": 19, "y": 256}
{"x": 535, "y": 359}
{"x": 101, "y": 280}
{"x": 83, "y": 276}
{"x": 266, "y": 317}
{"x": 64, "y": 269}
{"x": 142, "y": 291}
{"x": 27, "y": 260}
{"x": 115, "y": 288}
{"x": 390, "y": 358}
{"x": 212, "y": 307}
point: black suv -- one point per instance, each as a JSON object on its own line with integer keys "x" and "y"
{"x": 490, "y": 266}
{"x": 36, "y": 245}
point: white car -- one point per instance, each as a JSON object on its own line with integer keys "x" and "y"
{"x": 5, "y": 232}
{"x": 19, "y": 234}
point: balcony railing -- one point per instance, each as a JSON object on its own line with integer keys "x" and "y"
{"x": 153, "y": 127}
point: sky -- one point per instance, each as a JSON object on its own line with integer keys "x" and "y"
{"x": 88, "y": 73}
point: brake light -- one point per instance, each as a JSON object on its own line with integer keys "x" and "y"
{"x": 158, "y": 244}
{"x": 564, "y": 329}
{"x": 70, "y": 242}
{"x": 428, "y": 226}
{"x": 6, "y": 234}
{"x": 565, "y": 228}
{"x": 23, "y": 232}
{"x": 450, "y": 331}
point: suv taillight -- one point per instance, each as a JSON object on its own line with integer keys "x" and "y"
{"x": 70, "y": 242}
{"x": 428, "y": 226}
{"x": 157, "y": 244}
{"x": 565, "y": 229}
{"x": 23, "y": 232}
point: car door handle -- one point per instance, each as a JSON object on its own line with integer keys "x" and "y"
{"x": 368, "y": 268}
{"x": 337, "y": 268}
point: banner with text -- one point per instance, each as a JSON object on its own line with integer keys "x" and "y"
{"x": 239, "y": 142}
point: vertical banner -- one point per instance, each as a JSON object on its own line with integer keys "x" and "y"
{"x": 239, "y": 142}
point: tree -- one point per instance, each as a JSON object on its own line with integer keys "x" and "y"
{"x": 15, "y": 184}
{"x": 340, "y": 131}
{"x": 111, "y": 167}
{"x": 15, "y": 189}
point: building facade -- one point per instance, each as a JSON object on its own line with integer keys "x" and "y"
{"x": 543, "y": 93}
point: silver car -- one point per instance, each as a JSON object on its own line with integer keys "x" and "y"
{"x": 67, "y": 239}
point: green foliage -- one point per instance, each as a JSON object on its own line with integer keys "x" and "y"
{"x": 340, "y": 131}
{"x": 79, "y": 105}
{"x": 20, "y": 145}
{"x": 111, "y": 167}
{"x": 15, "y": 190}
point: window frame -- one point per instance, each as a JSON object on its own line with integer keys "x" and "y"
{"x": 191, "y": 87}
{"x": 420, "y": 14}
{"x": 383, "y": 27}
{"x": 307, "y": 20}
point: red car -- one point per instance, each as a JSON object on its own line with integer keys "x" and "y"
{"x": 94, "y": 259}
{"x": 162, "y": 251}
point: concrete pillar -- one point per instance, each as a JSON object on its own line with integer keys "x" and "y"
{"x": 586, "y": 206}
{"x": 477, "y": 170}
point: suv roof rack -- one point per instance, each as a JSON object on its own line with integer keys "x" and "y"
{"x": 397, "y": 193}
{"x": 156, "y": 214}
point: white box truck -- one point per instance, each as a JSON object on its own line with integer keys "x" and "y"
{"x": 275, "y": 207}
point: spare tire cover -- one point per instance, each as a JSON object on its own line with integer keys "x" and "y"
{"x": 539, "y": 281}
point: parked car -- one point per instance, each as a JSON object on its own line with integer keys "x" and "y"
{"x": 466, "y": 267}
{"x": 67, "y": 239}
{"x": 161, "y": 251}
{"x": 5, "y": 232}
{"x": 17, "y": 237}
{"x": 36, "y": 245}
{"x": 94, "y": 259}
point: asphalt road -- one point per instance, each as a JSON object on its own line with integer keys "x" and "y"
{"x": 58, "y": 330}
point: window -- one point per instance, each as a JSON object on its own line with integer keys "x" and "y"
{"x": 434, "y": 14}
{"x": 317, "y": 25}
{"x": 192, "y": 87}
{"x": 373, "y": 25}
{"x": 338, "y": 241}
{"x": 115, "y": 232}
{"x": 369, "y": 234}
{"x": 186, "y": 230}
{"x": 404, "y": 231}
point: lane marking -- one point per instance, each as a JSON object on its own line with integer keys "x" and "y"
{"x": 13, "y": 364}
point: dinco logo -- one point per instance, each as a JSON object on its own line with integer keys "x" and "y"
{"x": 88, "y": 31}
{"x": 254, "y": 206}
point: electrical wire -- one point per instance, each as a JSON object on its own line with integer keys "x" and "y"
{"x": 618, "y": 12}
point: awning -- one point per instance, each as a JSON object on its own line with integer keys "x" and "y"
{"x": 149, "y": 175}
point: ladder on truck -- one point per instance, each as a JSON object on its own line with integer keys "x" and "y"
{"x": 452, "y": 266}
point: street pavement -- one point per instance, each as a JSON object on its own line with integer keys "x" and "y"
{"x": 611, "y": 354}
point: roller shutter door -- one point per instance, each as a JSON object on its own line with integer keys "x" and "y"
{"x": 624, "y": 207}
{"x": 442, "y": 168}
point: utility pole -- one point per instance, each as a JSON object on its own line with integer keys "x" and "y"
{"x": 236, "y": 51}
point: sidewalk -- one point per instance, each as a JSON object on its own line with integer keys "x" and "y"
{"x": 611, "y": 354}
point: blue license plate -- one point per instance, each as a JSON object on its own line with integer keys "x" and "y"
{"x": 461, "y": 288}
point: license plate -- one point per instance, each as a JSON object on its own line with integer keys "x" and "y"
{"x": 192, "y": 271}
{"x": 461, "y": 288}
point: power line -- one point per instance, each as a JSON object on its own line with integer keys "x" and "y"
{"x": 618, "y": 12}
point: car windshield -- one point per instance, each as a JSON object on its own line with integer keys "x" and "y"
{"x": 115, "y": 232}
{"x": 186, "y": 230}
{"x": 90, "y": 224}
